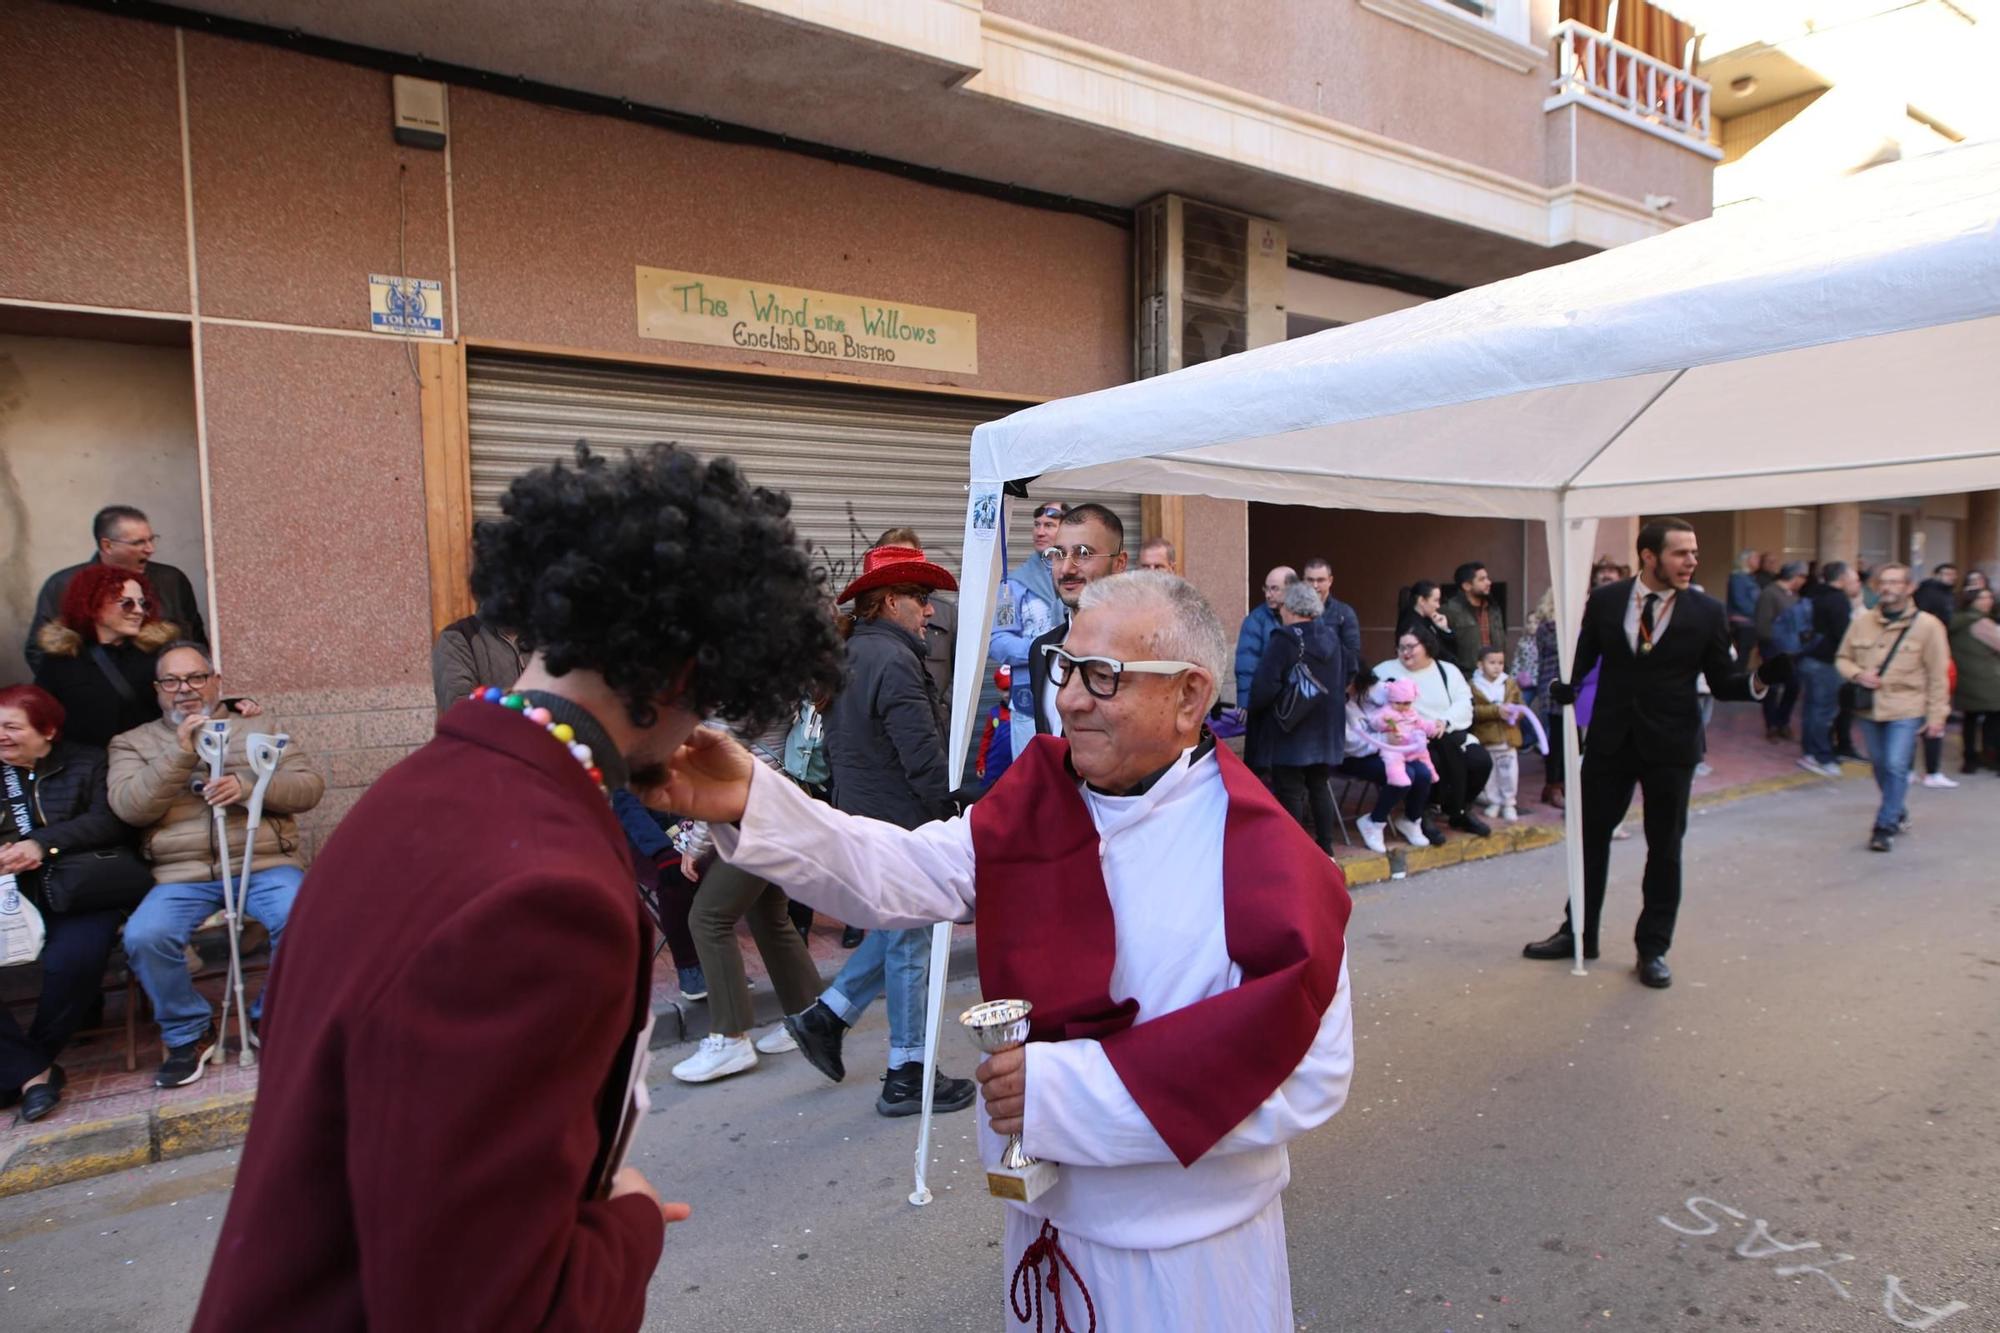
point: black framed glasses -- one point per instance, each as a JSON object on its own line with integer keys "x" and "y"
{"x": 1101, "y": 675}
{"x": 193, "y": 680}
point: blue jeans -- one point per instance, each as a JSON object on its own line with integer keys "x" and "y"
{"x": 895, "y": 963}
{"x": 1890, "y": 745}
{"x": 156, "y": 941}
{"x": 1822, "y": 702}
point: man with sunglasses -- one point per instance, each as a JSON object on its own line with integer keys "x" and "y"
{"x": 159, "y": 785}
{"x": 1090, "y": 545}
{"x": 1178, "y": 935}
{"x": 125, "y": 540}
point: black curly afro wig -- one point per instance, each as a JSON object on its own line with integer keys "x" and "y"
{"x": 655, "y": 567}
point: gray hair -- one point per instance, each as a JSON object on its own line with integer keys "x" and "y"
{"x": 208, "y": 658}
{"x": 1186, "y": 629}
{"x": 1301, "y": 600}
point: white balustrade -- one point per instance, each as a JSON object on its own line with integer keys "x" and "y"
{"x": 1596, "y": 65}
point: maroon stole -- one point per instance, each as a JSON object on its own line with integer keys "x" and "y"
{"x": 1046, "y": 935}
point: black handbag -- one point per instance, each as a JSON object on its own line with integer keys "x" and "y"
{"x": 1302, "y": 692}
{"x": 107, "y": 879}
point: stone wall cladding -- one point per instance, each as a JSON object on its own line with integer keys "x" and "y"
{"x": 353, "y": 736}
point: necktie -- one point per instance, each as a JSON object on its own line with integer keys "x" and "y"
{"x": 1646, "y": 622}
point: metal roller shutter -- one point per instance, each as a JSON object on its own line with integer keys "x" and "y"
{"x": 855, "y": 461}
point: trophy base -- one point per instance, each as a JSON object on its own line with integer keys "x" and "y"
{"x": 1022, "y": 1186}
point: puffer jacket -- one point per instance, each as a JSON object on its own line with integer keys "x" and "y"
{"x": 1917, "y": 683}
{"x": 885, "y": 731}
{"x": 149, "y": 785}
{"x": 67, "y": 806}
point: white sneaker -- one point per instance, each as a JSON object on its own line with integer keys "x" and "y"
{"x": 1412, "y": 832}
{"x": 1371, "y": 833}
{"x": 1491, "y": 809}
{"x": 1509, "y": 813}
{"x": 1703, "y": 769}
{"x": 1938, "y": 780}
{"x": 1811, "y": 765}
{"x": 718, "y": 1057}
{"x": 776, "y": 1042}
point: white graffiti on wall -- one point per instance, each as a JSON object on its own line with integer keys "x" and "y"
{"x": 1761, "y": 1244}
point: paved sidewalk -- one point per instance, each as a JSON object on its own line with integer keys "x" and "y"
{"x": 111, "y": 1119}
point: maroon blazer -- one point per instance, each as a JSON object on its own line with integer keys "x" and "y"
{"x": 446, "y": 1031}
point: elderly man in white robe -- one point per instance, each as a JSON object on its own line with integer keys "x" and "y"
{"x": 1181, "y": 941}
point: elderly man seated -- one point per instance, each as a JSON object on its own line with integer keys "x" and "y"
{"x": 159, "y": 785}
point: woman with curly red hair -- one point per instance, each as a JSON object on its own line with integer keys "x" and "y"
{"x": 98, "y": 658}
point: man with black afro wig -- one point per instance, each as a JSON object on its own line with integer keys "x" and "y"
{"x": 453, "y": 1047}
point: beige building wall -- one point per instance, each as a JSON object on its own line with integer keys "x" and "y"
{"x": 84, "y": 424}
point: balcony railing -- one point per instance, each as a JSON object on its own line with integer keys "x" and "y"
{"x": 1595, "y": 67}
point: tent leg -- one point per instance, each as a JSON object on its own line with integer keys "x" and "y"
{"x": 1570, "y": 544}
{"x": 933, "y": 1016}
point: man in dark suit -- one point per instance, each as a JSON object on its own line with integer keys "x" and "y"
{"x": 453, "y": 1038}
{"x": 1089, "y": 545}
{"x": 1653, "y": 636}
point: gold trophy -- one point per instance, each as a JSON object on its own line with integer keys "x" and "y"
{"x": 996, "y": 1026}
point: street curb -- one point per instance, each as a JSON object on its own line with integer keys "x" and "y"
{"x": 100, "y": 1147}
{"x": 118, "y": 1143}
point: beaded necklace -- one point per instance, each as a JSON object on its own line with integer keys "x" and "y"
{"x": 562, "y": 731}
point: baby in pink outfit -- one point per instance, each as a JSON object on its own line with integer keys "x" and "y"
{"x": 1405, "y": 733}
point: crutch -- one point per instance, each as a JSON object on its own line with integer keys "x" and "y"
{"x": 265, "y": 753}
{"x": 213, "y": 745}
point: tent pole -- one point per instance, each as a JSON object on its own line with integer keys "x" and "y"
{"x": 978, "y": 589}
{"x": 1570, "y": 543}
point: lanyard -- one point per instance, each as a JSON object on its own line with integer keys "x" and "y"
{"x": 17, "y": 801}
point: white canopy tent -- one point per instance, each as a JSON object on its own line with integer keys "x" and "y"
{"x": 1837, "y": 345}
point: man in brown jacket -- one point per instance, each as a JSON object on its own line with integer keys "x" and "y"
{"x": 159, "y": 785}
{"x": 1904, "y": 656}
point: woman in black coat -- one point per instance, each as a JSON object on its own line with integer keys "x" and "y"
{"x": 98, "y": 659}
{"x": 1302, "y": 759}
{"x": 53, "y": 805}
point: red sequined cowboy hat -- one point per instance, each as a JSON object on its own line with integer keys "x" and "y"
{"x": 887, "y": 566}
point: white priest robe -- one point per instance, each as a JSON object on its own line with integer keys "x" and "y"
{"x": 1160, "y": 1246}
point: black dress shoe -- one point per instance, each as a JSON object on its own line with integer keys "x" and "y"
{"x": 851, "y": 937}
{"x": 1471, "y": 823}
{"x": 1881, "y": 841}
{"x": 1562, "y": 944}
{"x": 1654, "y": 972}
{"x": 1432, "y": 833}
{"x": 43, "y": 1098}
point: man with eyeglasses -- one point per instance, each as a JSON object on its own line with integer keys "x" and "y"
{"x": 158, "y": 784}
{"x": 125, "y": 540}
{"x": 1090, "y": 545}
{"x": 1178, "y": 936}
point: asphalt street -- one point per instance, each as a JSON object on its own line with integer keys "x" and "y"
{"x": 1802, "y": 1136}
